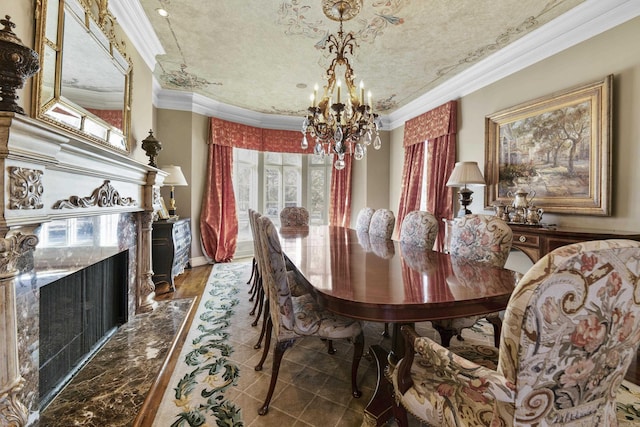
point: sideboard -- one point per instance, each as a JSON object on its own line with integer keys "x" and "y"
{"x": 171, "y": 241}
{"x": 537, "y": 241}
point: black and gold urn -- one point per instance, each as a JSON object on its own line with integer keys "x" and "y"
{"x": 17, "y": 64}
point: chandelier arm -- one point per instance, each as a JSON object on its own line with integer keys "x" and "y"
{"x": 341, "y": 127}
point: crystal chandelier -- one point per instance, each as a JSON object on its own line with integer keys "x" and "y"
{"x": 341, "y": 128}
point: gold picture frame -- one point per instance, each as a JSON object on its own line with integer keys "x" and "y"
{"x": 556, "y": 148}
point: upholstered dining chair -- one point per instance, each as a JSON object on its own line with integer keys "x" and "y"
{"x": 296, "y": 282}
{"x": 479, "y": 238}
{"x": 295, "y": 317}
{"x": 420, "y": 229}
{"x": 363, "y": 219}
{"x": 294, "y": 216}
{"x": 253, "y": 279}
{"x": 382, "y": 223}
{"x": 572, "y": 328}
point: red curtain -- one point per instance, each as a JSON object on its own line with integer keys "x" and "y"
{"x": 340, "y": 201}
{"x": 442, "y": 159}
{"x": 411, "y": 183}
{"x": 218, "y": 219}
{"x": 438, "y": 127}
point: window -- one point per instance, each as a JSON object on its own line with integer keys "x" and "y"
{"x": 319, "y": 189}
{"x": 267, "y": 182}
{"x": 282, "y": 183}
{"x": 245, "y": 182}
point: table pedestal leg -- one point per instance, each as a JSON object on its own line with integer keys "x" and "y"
{"x": 380, "y": 407}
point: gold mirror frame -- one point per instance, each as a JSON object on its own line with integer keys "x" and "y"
{"x": 94, "y": 103}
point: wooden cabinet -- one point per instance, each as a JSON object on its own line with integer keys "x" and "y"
{"x": 171, "y": 241}
{"x": 537, "y": 241}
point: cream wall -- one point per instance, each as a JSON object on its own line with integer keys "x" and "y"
{"x": 184, "y": 143}
{"x": 370, "y": 183}
{"x": 613, "y": 52}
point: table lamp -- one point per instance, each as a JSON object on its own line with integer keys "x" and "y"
{"x": 175, "y": 178}
{"x": 465, "y": 173}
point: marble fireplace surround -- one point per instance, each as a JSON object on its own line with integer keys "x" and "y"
{"x": 52, "y": 179}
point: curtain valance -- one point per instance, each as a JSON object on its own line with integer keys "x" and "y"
{"x": 230, "y": 134}
{"x": 432, "y": 124}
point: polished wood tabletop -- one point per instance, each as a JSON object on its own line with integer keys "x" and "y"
{"x": 382, "y": 280}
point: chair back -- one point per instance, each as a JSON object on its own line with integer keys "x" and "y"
{"x": 382, "y": 223}
{"x": 481, "y": 238}
{"x": 419, "y": 228}
{"x": 364, "y": 219}
{"x": 274, "y": 277}
{"x": 572, "y": 328}
{"x": 294, "y": 216}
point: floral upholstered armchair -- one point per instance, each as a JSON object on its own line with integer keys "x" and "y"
{"x": 382, "y": 223}
{"x": 294, "y": 216}
{"x": 478, "y": 238}
{"x": 297, "y": 315}
{"x": 572, "y": 327}
{"x": 364, "y": 219}
{"x": 419, "y": 228}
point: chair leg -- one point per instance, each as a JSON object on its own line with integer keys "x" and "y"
{"x": 256, "y": 295}
{"x": 253, "y": 270}
{"x": 400, "y": 414}
{"x": 496, "y": 321}
{"x": 260, "y": 301}
{"x": 358, "y": 349}
{"x": 386, "y": 330}
{"x": 278, "y": 351}
{"x": 267, "y": 342}
{"x": 330, "y": 348}
{"x": 445, "y": 335}
{"x": 265, "y": 317}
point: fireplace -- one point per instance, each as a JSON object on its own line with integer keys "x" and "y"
{"x": 73, "y": 212}
{"x": 77, "y": 314}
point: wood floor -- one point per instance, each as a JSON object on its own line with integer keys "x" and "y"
{"x": 192, "y": 282}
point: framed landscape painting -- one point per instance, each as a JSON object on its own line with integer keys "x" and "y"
{"x": 556, "y": 148}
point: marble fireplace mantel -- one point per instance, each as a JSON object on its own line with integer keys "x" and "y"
{"x": 48, "y": 175}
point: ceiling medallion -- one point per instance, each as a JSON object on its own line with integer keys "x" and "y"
{"x": 341, "y": 10}
{"x": 340, "y": 128}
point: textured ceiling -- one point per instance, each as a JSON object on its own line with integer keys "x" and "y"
{"x": 256, "y": 54}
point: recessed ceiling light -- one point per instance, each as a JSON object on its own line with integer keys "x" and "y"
{"x": 162, "y": 12}
{"x": 301, "y": 86}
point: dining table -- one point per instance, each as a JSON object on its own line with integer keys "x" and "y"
{"x": 378, "y": 280}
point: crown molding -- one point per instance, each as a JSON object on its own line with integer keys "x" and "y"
{"x": 136, "y": 25}
{"x": 196, "y": 103}
{"x": 577, "y": 25}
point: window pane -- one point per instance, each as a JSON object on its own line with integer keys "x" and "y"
{"x": 317, "y": 160}
{"x": 292, "y": 159}
{"x": 273, "y": 191}
{"x": 317, "y": 195}
{"x": 273, "y": 158}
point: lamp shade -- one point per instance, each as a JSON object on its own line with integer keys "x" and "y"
{"x": 176, "y": 177}
{"x": 465, "y": 173}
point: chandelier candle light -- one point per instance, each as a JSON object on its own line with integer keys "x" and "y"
{"x": 340, "y": 128}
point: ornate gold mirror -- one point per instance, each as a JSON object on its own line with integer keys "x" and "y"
{"x": 85, "y": 80}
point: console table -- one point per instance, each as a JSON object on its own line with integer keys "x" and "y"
{"x": 171, "y": 241}
{"x": 537, "y": 241}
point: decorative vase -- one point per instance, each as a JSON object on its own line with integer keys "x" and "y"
{"x": 17, "y": 63}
